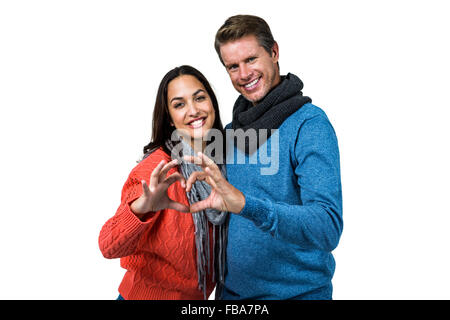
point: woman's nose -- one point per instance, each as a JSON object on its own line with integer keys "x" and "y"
{"x": 192, "y": 109}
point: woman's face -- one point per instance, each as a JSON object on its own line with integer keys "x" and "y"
{"x": 190, "y": 106}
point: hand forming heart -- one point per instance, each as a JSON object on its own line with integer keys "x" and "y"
{"x": 223, "y": 197}
{"x": 154, "y": 196}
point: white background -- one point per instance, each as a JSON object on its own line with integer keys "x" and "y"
{"x": 77, "y": 86}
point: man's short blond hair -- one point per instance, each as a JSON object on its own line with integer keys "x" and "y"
{"x": 240, "y": 26}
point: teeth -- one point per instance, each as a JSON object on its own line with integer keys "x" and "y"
{"x": 251, "y": 83}
{"x": 196, "y": 122}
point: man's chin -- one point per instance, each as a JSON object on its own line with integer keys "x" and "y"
{"x": 254, "y": 99}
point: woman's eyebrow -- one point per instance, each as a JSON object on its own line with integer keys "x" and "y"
{"x": 176, "y": 98}
{"x": 198, "y": 91}
{"x": 194, "y": 94}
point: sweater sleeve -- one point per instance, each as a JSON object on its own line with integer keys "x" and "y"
{"x": 120, "y": 235}
{"x": 317, "y": 222}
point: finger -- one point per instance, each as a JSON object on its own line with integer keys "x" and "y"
{"x": 214, "y": 173}
{"x": 175, "y": 177}
{"x": 145, "y": 190}
{"x": 154, "y": 176}
{"x": 209, "y": 179}
{"x": 196, "y": 175}
{"x": 188, "y": 158}
{"x": 178, "y": 206}
{"x": 200, "y": 205}
{"x": 193, "y": 159}
{"x": 166, "y": 168}
{"x": 206, "y": 159}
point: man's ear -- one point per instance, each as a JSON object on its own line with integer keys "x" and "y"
{"x": 275, "y": 52}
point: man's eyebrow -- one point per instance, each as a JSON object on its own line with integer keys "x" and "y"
{"x": 230, "y": 65}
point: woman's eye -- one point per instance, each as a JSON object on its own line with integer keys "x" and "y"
{"x": 201, "y": 98}
{"x": 178, "y": 105}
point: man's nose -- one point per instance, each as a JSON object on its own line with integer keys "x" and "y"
{"x": 245, "y": 72}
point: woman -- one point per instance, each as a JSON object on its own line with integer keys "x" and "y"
{"x": 169, "y": 253}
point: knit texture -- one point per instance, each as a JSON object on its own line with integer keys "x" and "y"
{"x": 270, "y": 112}
{"x": 279, "y": 246}
{"x": 200, "y": 190}
{"x": 159, "y": 252}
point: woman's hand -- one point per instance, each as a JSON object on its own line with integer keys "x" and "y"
{"x": 154, "y": 196}
{"x": 224, "y": 196}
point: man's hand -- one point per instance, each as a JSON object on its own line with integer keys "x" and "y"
{"x": 224, "y": 196}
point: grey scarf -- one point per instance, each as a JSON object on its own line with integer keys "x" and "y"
{"x": 200, "y": 191}
{"x": 271, "y": 111}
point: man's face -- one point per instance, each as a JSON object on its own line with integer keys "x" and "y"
{"x": 252, "y": 70}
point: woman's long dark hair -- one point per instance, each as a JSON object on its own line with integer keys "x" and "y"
{"x": 161, "y": 129}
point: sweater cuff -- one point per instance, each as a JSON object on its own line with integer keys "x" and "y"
{"x": 257, "y": 210}
{"x": 131, "y": 221}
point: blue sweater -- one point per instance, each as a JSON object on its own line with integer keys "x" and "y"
{"x": 279, "y": 246}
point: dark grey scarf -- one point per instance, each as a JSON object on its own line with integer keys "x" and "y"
{"x": 200, "y": 191}
{"x": 271, "y": 111}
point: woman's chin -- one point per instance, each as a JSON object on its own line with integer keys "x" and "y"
{"x": 196, "y": 134}
{"x": 200, "y": 133}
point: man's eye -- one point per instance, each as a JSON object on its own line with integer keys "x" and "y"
{"x": 232, "y": 67}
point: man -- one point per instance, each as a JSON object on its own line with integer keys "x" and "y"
{"x": 284, "y": 225}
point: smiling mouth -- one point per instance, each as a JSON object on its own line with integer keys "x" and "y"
{"x": 197, "y": 123}
{"x": 252, "y": 85}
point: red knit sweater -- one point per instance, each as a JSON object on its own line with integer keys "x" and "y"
{"x": 159, "y": 252}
